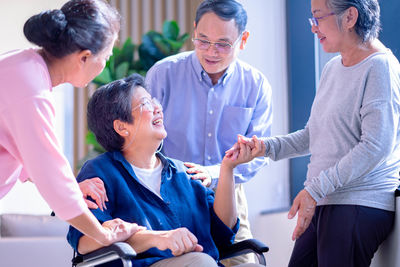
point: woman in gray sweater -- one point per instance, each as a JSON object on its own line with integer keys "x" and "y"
{"x": 346, "y": 209}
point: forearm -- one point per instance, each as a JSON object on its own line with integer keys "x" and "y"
{"x": 87, "y": 244}
{"x": 142, "y": 241}
{"x": 225, "y": 203}
{"x": 89, "y": 225}
{"x": 242, "y": 173}
{"x": 288, "y": 146}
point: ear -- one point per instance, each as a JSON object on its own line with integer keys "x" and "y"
{"x": 84, "y": 55}
{"x": 120, "y": 128}
{"x": 350, "y": 18}
{"x": 245, "y": 36}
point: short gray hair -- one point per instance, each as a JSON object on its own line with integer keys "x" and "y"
{"x": 112, "y": 102}
{"x": 225, "y": 10}
{"x": 368, "y": 23}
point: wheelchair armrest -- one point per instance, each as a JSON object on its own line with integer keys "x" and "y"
{"x": 243, "y": 247}
{"x": 119, "y": 250}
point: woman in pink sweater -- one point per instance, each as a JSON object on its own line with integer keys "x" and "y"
{"x": 74, "y": 44}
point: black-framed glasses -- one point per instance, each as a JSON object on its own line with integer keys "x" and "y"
{"x": 314, "y": 20}
{"x": 221, "y": 47}
{"x": 148, "y": 104}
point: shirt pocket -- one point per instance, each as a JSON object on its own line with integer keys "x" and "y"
{"x": 234, "y": 120}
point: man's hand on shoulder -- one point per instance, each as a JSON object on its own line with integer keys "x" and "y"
{"x": 198, "y": 172}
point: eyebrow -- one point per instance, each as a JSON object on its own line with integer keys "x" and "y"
{"x": 315, "y": 11}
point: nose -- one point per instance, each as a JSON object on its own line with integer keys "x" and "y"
{"x": 314, "y": 28}
{"x": 212, "y": 49}
{"x": 157, "y": 108}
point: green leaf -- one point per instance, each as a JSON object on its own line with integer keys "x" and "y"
{"x": 175, "y": 46}
{"x": 163, "y": 46}
{"x": 149, "y": 52}
{"x": 183, "y": 38}
{"x": 103, "y": 78}
{"x": 115, "y": 60}
{"x": 148, "y": 41}
{"x": 170, "y": 30}
{"x": 128, "y": 51}
{"x": 91, "y": 140}
{"x": 122, "y": 70}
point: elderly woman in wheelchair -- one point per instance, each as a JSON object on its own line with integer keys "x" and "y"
{"x": 183, "y": 223}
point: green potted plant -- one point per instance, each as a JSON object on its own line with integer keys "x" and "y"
{"x": 154, "y": 47}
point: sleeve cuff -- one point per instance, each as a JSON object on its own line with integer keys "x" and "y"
{"x": 313, "y": 194}
{"x": 221, "y": 233}
{"x": 213, "y": 170}
{"x": 267, "y": 148}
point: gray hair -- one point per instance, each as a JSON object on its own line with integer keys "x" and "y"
{"x": 368, "y": 22}
{"x": 112, "y": 102}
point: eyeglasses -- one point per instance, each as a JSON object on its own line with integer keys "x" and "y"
{"x": 314, "y": 20}
{"x": 149, "y": 104}
{"x": 221, "y": 47}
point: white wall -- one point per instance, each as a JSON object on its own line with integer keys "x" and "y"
{"x": 269, "y": 189}
{"x": 266, "y": 50}
{"x": 24, "y": 198}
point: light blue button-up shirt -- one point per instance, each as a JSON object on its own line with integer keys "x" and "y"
{"x": 202, "y": 120}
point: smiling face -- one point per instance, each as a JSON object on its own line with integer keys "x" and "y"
{"x": 211, "y": 28}
{"x": 147, "y": 126}
{"x": 328, "y": 31}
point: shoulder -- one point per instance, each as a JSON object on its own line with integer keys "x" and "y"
{"x": 174, "y": 62}
{"x": 17, "y": 59}
{"x": 177, "y": 167}
{"x": 252, "y": 78}
{"x": 382, "y": 67}
{"x": 25, "y": 71}
{"x": 174, "y": 164}
{"x": 248, "y": 70}
{"x": 99, "y": 166}
{"x": 384, "y": 61}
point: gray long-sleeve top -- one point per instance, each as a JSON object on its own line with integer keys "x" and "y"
{"x": 352, "y": 134}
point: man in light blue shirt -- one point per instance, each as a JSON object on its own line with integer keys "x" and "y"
{"x": 209, "y": 96}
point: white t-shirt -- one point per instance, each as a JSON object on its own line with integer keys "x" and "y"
{"x": 150, "y": 178}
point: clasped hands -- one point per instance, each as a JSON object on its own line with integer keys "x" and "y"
{"x": 303, "y": 205}
{"x": 242, "y": 151}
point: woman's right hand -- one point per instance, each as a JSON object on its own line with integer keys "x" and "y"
{"x": 179, "y": 241}
{"x": 118, "y": 230}
{"x": 95, "y": 189}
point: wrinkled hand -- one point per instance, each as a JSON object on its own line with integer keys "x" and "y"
{"x": 95, "y": 189}
{"x": 119, "y": 230}
{"x": 200, "y": 173}
{"x": 179, "y": 241}
{"x": 256, "y": 145}
{"x": 304, "y": 205}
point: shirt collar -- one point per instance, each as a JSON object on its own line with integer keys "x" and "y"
{"x": 200, "y": 72}
{"x": 168, "y": 164}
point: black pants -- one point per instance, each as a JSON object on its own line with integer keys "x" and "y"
{"x": 342, "y": 236}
